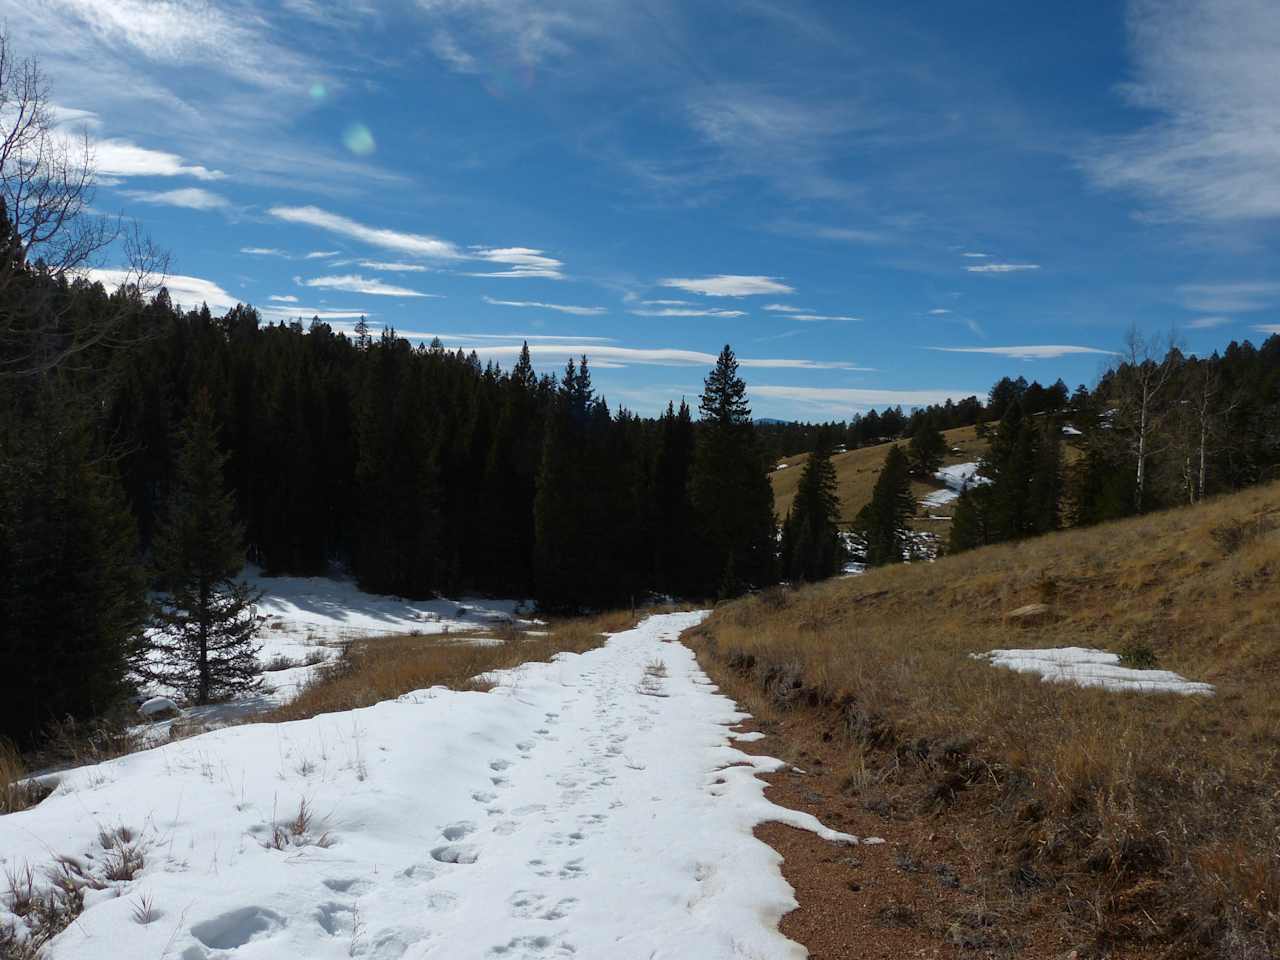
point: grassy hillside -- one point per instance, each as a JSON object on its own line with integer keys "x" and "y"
{"x": 1140, "y": 818}
{"x": 856, "y": 473}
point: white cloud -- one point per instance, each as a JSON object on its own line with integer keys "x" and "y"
{"x": 418, "y": 244}
{"x": 559, "y": 307}
{"x": 838, "y": 399}
{"x": 393, "y": 267}
{"x": 978, "y": 255}
{"x": 285, "y": 314}
{"x": 523, "y": 261}
{"x": 263, "y": 252}
{"x": 183, "y": 32}
{"x": 783, "y": 308}
{"x": 689, "y": 311}
{"x": 728, "y": 285}
{"x": 665, "y": 303}
{"x": 811, "y": 317}
{"x": 354, "y": 283}
{"x": 188, "y": 292}
{"x": 1037, "y": 352}
{"x": 1208, "y": 323}
{"x": 1208, "y": 68}
{"x": 447, "y": 48}
{"x": 1267, "y": 327}
{"x": 939, "y": 312}
{"x": 121, "y": 158}
{"x": 1003, "y": 267}
{"x": 600, "y": 354}
{"x": 285, "y": 298}
{"x": 1228, "y": 297}
{"x": 192, "y": 198}
{"x": 320, "y": 254}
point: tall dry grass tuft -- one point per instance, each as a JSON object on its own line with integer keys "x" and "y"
{"x": 1154, "y": 817}
{"x": 16, "y": 791}
{"x": 383, "y": 668}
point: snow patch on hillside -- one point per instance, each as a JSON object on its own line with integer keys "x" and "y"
{"x": 305, "y": 621}
{"x": 957, "y": 478}
{"x": 1086, "y": 667}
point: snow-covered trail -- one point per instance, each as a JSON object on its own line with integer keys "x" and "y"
{"x": 592, "y": 807}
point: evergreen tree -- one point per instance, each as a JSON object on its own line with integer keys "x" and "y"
{"x": 674, "y": 519}
{"x": 969, "y": 521}
{"x": 202, "y": 641}
{"x": 927, "y": 448}
{"x": 883, "y": 521}
{"x": 811, "y": 544}
{"x": 729, "y": 486}
{"x": 72, "y": 591}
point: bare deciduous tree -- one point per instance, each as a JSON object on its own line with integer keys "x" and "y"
{"x": 1139, "y": 397}
{"x": 47, "y": 178}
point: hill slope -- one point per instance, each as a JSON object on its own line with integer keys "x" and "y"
{"x": 1136, "y": 817}
{"x": 856, "y": 473}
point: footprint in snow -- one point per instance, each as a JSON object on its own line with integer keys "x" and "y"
{"x": 533, "y": 948}
{"x": 530, "y": 905}
{"x": 456, "y": 853}
{"x": 484, "y": 796}
{"x": 498, "y": 765}
{"x": 572, "y": 870}
{"x": 456, "y": 831}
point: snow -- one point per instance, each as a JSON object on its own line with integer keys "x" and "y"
{"x": 594, "y": 806}
{"x": 1071, "y": 431}
{"x": 783, "y": 466}
{"x": 306, "y": 621}
{"x": 957, "y": 478}
{"x": 154, "y": 705}
{"x": 1086, "y": 667}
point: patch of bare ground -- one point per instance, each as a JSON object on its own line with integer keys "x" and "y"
{"x": 1074, "y": 820}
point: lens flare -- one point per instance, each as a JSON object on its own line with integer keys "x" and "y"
{"x": 359, "y": 140}
{"x": 318, "y": 91}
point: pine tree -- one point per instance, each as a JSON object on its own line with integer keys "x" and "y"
{"x": 729, "y": 485}
{"x": 811, "y": 544}
{"x": 927, "y": 448}
{"x": 72, "y": 591}
{"x": 202, "y": 641}
{"x": 883, "y": 521}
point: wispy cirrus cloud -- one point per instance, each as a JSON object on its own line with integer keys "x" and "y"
{"x": 355, "y": 283}
{"x": 187, "y": 292}
{"x": 977, "y": 256}
{"x": 386, "y": 266}
{"x": 1034, "y": 352}
{"x": 1208, "y": 68}
{"x": 417, "y": 244}
{"x": 522, "y": 262}
{"x": 1267, "y": 327}
{"x": 1228, "y": 297}
{"x": 837, "y": 400}
{"x": 1003, "y": 267}
{"x": 728, "y": 285}
{"x": 264, "y": 251}
{"x": 190, "y": 198}
{"x": 283, "y": 298}
{"x": 815, "y": 317}
{"x": 783, "y": 308}
{"x": 558, "y": 307}
{"x": 1207, "y": 323}
{"x": 123, "y": 158}
{"x": 687, "y": 311}
{"x": 939, "y": 312}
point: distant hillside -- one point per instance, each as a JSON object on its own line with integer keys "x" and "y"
{"x": 856, "y": 473}
{"x": 1146, "y": 821}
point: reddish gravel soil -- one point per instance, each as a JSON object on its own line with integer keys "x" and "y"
{"x": 925, "y": 892}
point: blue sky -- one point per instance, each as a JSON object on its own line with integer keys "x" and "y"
{"x": 874, "y": 203}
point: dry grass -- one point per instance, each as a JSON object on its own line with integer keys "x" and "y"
{"x": 16, "y": 792}
{"x": 383, "y": 668}
{"x": 1144, "y": 818}
{"x": 856, "y": 473}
